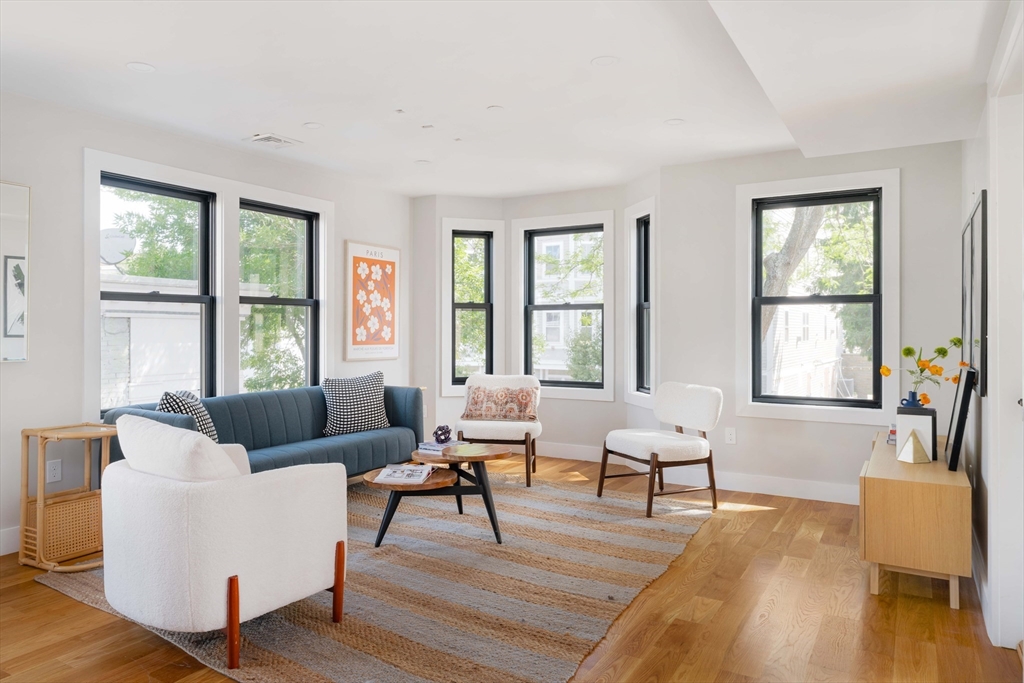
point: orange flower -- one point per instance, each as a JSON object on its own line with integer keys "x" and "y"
{"x": 885, "y": 371}
{"x": 946, "y": 378}
{"x": 955, "y": 379}
{"x": 923, "y": 364}
{"x": 964, "y": 364}
{"x": 936, "y": 369}
{"x": 924, "y": 399}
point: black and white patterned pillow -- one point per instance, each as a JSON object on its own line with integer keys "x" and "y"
{"x": 355, "y": 404}
{"x": 187, "y": 403}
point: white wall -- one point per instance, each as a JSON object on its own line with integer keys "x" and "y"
{"x": 42, "y": 145}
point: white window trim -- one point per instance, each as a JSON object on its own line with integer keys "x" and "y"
{"x": 645, "y": 208}
{"x": 889, "y": 181}
{"x": 519, "y": 228}
{"x": 225, "y": 285}
{"x": 448, "y": 226}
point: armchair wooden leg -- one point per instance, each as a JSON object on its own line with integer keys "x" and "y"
{"x": 460, "y": 435}
{"x": 650, "y": 483}
{"x": 533, "y": 454}
{"x": 661, "y": 478}
{"x": 711, "y": 482}
{"x": 529, "y": 478}
{"x": 604, "y": 467}
{"x": 339, "y": 581}
{"x": 233, "y": 628}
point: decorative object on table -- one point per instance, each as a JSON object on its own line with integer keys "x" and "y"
{"x": 443, "y": 434}
{"x": 974, "y": 291}
{"x": 200, "y": 556}
{"x": 59, "y": 528}
{"x": 923, "y": 370}
{"x": 560, "y": 602}
{"x": 685, "y": 406}
{"x": 913, "y": 451}
{"x": 919, "y": 422}
{"x": 187, "y": 403}
{"x": 14, "y": 225}
{"x": 891, "y": 437}
{"x": 372, "y": 288}
{"x": 968, "y": 377}
{"x": 502, "y": 409}
{"x": 355, "y": 404}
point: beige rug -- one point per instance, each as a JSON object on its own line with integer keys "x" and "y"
{"x": 441, "y": 601}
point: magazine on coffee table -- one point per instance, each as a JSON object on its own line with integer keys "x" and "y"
{"x": 404, "y": 474}
{"x": 435, "y": 447}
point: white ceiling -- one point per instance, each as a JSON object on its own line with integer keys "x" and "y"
{"x": 839, "y": 77}
{"x": 856, "y": 75}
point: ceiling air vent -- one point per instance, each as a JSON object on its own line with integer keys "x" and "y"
{"x": 273, "y": 141}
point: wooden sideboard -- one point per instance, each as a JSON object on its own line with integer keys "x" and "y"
{"x": 915, "y": 519}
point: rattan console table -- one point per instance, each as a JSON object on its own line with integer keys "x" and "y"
{"x": 62, "y": 527}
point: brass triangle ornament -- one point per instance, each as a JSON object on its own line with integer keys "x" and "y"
{"x": 913, "y": 451}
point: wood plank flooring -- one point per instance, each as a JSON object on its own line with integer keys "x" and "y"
{"x": 770, "y": 589}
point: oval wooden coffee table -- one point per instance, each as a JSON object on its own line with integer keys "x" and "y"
{"x": 446, "y": 482}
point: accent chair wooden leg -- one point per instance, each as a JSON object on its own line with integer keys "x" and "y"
{"x": 604, "y": 466}
{"x": 234, "y": 627}
{"x": 661, "y": 478}
{"x": 650, "y": 483}
{"x": 460, "y": 435}
{"x": 711, "y": 483}
{"x": 339, "y": 581}
{"x": 526, "y": 449}
{"x": 533, "y": 454}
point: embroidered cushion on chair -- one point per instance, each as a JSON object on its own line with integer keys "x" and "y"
{"x": 514, "y": 404}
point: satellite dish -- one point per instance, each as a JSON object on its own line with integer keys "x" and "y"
{"x": 115, "y": 246}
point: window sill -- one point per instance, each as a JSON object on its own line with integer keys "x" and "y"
{"x": 638, "y": 398}
{"x": 839, "y": 414}
{"x": 577, "y": 394}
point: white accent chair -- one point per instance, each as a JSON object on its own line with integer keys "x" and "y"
{"x": 682, "y": 405}
{"x": 197, "y": 556}
{"x": 503, "y": 431}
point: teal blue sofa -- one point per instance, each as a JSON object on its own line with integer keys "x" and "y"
{"x": 286, "y": 427}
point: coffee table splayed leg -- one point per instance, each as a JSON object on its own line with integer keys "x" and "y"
{"x": 446, "y": 482}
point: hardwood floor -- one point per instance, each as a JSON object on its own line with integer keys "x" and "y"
{"x": 770, "y": 589}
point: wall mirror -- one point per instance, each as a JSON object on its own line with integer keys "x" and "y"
{"x": 15, "y": 205}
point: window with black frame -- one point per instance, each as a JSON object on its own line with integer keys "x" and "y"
{"x": 472, "y": 305}
{"x": 278, "y": 305}
{"x": 643, "y": 304}
{"x": 564, "y": 313}
{"x": 157, "y": 318}
{"x": 817, "y": 305}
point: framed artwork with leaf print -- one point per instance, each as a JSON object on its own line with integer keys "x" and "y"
{"x": 372, "y": 296}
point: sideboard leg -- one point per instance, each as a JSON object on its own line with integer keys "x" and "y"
{"x": 874, "y": 578}
{"x": 954, "y": 591}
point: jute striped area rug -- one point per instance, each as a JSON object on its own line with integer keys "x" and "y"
{"x": 441, "y": 601}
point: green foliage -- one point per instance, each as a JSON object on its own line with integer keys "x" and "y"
{"x": 469, "y": 267}
{"x": 167, "y": 237}
{"x": 584, "y": 350}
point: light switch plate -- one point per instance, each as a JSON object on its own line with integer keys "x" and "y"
{"x": 730, "y": 435}
{"x": 53, "y": 468}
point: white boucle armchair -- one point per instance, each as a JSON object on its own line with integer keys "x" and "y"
{"x": 197, "y": 556}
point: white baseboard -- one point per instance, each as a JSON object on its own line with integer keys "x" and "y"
{"x": 9, "y": 540}
{"x": 831, "y": 492}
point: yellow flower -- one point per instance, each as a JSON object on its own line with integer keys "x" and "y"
{"x": 924, "y": 399}
{"x": 936, "y": 369}
{"x": 955, "y": 379}
{"x": 885, "y": 371}
{"x": 964, "y": 364}
{"x": 923, "y": 364}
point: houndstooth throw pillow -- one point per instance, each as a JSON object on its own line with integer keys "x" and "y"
{"x": 187, "y": 403}
{"x": 355, "y": 404}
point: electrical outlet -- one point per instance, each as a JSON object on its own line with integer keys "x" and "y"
{"x": 730, "y": 435}
{"x": 53, "y": 470}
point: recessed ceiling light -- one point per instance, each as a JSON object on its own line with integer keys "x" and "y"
{"x": 495, "y": 107}
{"x": 458, "y": 139}
{"x": 427, "y": 126}
{"x": 422, "y": 162}
{"x": 674, "y": 122}
{"x": 141, "y": 67}
{"x": 604, "y": 60}
{"x": 312, "y": 125}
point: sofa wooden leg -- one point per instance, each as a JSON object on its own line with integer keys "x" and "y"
{"x": 233, "y": 627}
{"x": 339, "y": 581}
{"x": 650, "y": 483}
{"x": 604, "y": 467}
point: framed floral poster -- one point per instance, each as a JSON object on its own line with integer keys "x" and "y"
{"x": 373, "y": 304}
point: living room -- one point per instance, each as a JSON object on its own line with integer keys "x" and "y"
{"x": 708, "y": 314}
